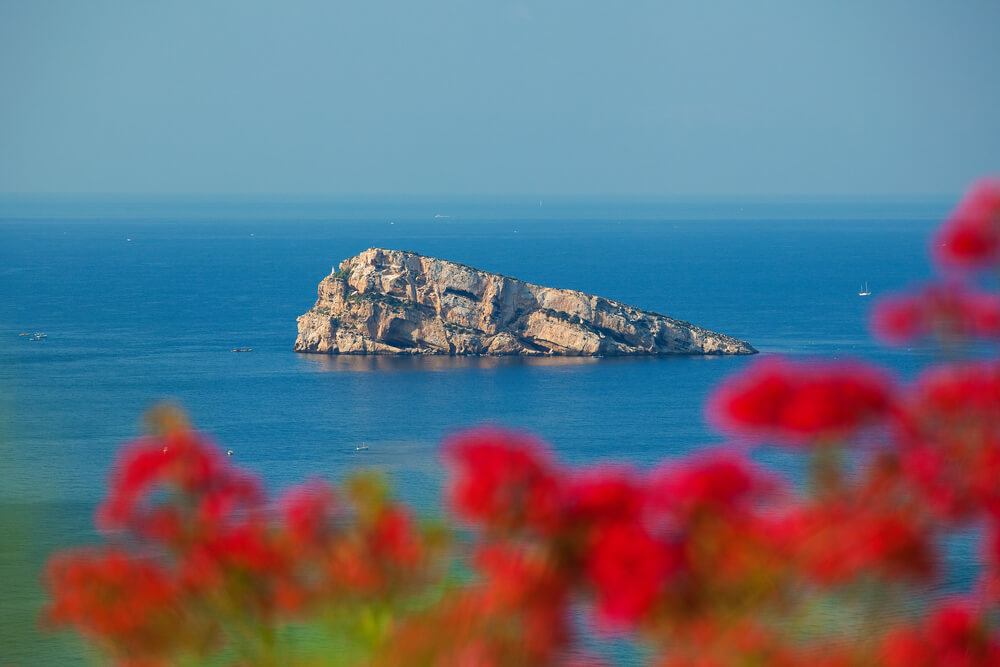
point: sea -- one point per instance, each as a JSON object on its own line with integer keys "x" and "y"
{"x": 142, "y": 299}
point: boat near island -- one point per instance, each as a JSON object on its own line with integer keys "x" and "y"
{"x": 864, "y": 290}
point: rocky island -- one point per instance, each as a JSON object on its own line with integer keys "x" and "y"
{"x": 398, "y": 302}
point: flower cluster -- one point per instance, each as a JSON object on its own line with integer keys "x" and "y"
{"x": 800, "y": 403}
{"x": 970, "y": 238}
{"x": 951, "y": 312}
{"x": 199, "y": 562}
{"x": 708, "y": 560}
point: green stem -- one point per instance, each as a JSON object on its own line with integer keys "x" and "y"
{"x": 826, "y": 468}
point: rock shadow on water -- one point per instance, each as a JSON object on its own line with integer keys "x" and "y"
{"x": 383, "y": 363}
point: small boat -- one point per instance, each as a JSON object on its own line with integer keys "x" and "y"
{"x": 38, "y": 336}
{"x": 24, "y": 334}
{"x": 362, "y": 447}
{"x": 242, "y": 349}
{"x": 864, "y": 290}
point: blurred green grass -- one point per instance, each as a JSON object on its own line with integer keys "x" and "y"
{"x": 29, "y": 532}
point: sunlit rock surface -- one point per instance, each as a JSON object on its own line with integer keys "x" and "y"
{"x": 397, "y": 302}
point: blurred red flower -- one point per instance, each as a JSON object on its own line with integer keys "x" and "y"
{"x": 967, "y": 391}
{"x": 950, "y": 312}
{"x": 837, "y": 541}
{"x": 518, "y": 576}
{"x": 722, "y": 482}
{"x": 503, "y": 479}
{"x": 949, "y": 437}
{"x": 186, "y": 463}
{"x": 115, "y": 595}
{"x": 307, "y": 510}
{"x": 801, "y": 401}
{"x": 603, "y": 493}
{"x": 953, "y": 635}
{"x": 970, "y": 237}
{"x": 628, "y": 568}
{"x": 394, "y": 537}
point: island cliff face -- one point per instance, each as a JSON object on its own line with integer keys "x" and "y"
{"x": 397, "y": 302}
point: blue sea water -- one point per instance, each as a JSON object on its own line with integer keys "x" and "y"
{"x": 143, "y": 299}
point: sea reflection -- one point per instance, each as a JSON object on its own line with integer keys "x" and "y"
{"x": 357, "y": 363}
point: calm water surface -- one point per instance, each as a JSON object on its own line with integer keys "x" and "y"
{"x": 144, "y": 299}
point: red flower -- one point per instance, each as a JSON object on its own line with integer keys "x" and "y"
{"x": 518, "y": 577}
{"x": 954, "y": 635}
{"x": 184, "y": 463}
{"x": 395, "y": 539}
{"x": 502, "y": 479}
{"x": 628, "y": 569}
{"x": 798, "y": 402}
{"x": 351, "y": 568}
{"x": 246, "y": 546}
{"x": 989, "y": 578}
{"x": 525, "y": 583}
{"x": 228, "y": 496}
{"x": 970, "y": 238}
{"x": 517, "y": 617}
{"x": 750, "y": 642}
{"x": 947, "y": 311}
{"x": 957, "y": 391}
{"x": 958, "y": 477}
{"x": 949, "y": 427}
{"x": 133, "y": 603}
{"x": 722, "y": 482}
{"x": 604, "y": 494}
{"x": 836, "y": 541}
{"x": 307, "y": 510}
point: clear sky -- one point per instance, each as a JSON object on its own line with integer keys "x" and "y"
{"x": 692, "y": 97}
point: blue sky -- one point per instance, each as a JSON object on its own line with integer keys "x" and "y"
{"x": 463, "y": 97}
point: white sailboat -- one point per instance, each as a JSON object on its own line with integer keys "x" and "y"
{"x": 864, "y": 290}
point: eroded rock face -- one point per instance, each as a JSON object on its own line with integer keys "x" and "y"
{"x": 397, "y": 302}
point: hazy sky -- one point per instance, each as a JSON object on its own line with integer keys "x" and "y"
{"x": 693, "y": 97}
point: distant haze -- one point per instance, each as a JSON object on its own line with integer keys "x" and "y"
{"x": 668, "y": 98}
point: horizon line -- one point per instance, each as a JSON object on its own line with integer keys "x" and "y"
{"x": 496, "y": 195}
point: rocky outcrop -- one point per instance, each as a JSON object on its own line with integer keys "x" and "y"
{"x": 397, "y": 302}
